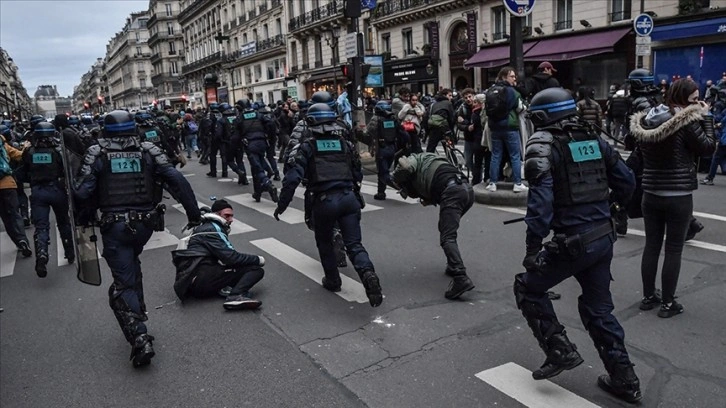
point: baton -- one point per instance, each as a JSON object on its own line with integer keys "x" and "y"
{"x": 512, "y": 221}
{"x": 607, "y": 134}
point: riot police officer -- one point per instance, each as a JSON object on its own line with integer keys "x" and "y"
{"x": 571, "y": 172}
{"x": 388, "y": 136}
{"x": 71, "y": 137}
{"x": 123, "y": 176}
{"x": 214, "y": 136}
{"x": 44, "y": 165}
{"x": 235, "y": 149}
{"x": 21, "y": 174}
{"x": 332, "y": 167}
{"x": 253, "y": 130}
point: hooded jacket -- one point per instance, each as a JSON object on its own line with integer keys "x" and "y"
{"x": 669, "y": 144}
{"x": 208, "y": 248}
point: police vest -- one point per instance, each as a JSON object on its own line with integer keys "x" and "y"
{"x": 151, "y": 134}
{"x": 581, "y": 175}
{"x": 387, "y": 130}
{"x": 252, "y": 128}
{"x": 46, "y": 164}
{"x": 229, "y": 126}
{"x": 125, "y": 179}
{"x": 332, "y": 159}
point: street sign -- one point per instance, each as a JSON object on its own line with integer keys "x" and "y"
{"x": 643, "y": 25}
{"x": 642, "y": 49}
{"x": 642, "y": 40}
{"x": 351, "y": 45}
{"x": 519, "y": 8}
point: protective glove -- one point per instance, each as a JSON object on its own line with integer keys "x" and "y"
{"x": 262, "y": 260}
{"x": 191, "y": 224}
{"x": 277, "y": 213}
{"x": 532, "y": 261}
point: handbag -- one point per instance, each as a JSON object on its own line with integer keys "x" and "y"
{"x": 409, "y": 126}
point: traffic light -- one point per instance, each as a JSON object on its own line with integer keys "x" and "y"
{"x": 348, "y": 71}
{"x": 100, "y": 100}
{"x": 184, "y": 98}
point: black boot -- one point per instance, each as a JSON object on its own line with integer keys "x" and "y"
{"x": 256, "y": 196}
{"x": 458, "y": 286}
{"x": 561, "y": 355}
{"x": 273, "y": 193}
{"x": 693, "y": 228}
{"x": 622, "y": 383}
{"x": 41, "y": 264}
{"x": 142, "y": 351}
{"x": 373, "y": 288}
{"x": 243, "y": 179}
{"x": 24, "y": 248}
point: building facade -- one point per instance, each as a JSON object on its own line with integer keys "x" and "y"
{"x": 14, "y": 100}
{"x": 44, "y": 101}
{"x": 88, "y": 94}
{"x": 167, "y": 53}
{"x": 128, "y": 66}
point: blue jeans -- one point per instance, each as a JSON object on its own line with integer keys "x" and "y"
{"x": 42, "y": 199}
{"x": 341, "y": 207}
{"x": 191, "y": 143}
{"x": 719, "y": 159}
{"x": 509, "y": 139}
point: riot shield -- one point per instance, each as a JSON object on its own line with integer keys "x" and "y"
{"x": 84, "y": 236}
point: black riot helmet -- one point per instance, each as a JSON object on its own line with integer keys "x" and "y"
{"x": 5, "y": 131}
{"x": 551, "y": 105}
{"x": 60, "y": 121}
{"x": 320, "y": 113}
{"x": 323, "y": 97}
{"x": 119, "y": 123}
{"x": 142, "y": 116}
{"x": 74, "y": 120}
{"x": 641, "y": 81}
{"x": 242, "y": 104}
{"x": 214, "y": 107}
{"x": 36, "y": 119}
{"x": 382, "y": 108}
{"x": 43, "y": 131}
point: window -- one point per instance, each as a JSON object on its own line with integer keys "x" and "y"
{"x": 620, "y": 10}
{"x": 138, "y": 50}
{"x": 172, "y": 48}
{"x": 291, "y": 6}
{"x": 174, "y": 68}
{"x": 258, "y": 72}
{"x": 564, "y": 15}
{"x": 407, "y": 40}
{"x": 170, "y": 28}
{"x": 168, "y": 9}
{"x": 318, "y": 46}
{"x": 265, "y": 32}
{"x": 278, "y": 26}
{"x": 386, "y": 40}
{"x": 244, "y": 38}
{"x": 140, "y": 66}
{"x": 305, "y": 57}
{"x": 426, "y": 32}
{"x": 293, "y": 52}
{"x": 234, "y": 12}
{"x": 142, "y": 82}
{"x": 499, "y": 23}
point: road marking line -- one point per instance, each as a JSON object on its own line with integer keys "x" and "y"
{"x": 711, "y": 216}
{"x": 693, "y": 242}
{"x": 368, "y": 187}
{"x": 517, "y": 383}
{"x": 160, "y": 239}
{"x": 8, "y": 255}
{"x": 62, "y": 261}
{"x": 188, "y": 175}
{"x": 351, "y": 290}
{"x": 237, "y": 227}
{"x": 291, "y": 215}
{"x": 369, "y": 207}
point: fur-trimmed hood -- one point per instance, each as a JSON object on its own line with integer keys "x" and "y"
{"x": 658, "y": 124}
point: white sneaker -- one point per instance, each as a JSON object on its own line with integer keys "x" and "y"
{"x": 491, "y": 187}
{"x": 518, "y": 188}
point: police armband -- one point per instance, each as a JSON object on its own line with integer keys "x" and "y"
{"x": 159, "y": 157}
{"x": 538, "y": 156}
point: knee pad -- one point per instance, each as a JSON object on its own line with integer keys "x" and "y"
{"x": 519, "y": 290}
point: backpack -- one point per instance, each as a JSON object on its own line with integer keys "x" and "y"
{"x": 193, "y": 127}
{"x": 434, "y": 120}
{"x": 5, "y": 169}
{"x": 496, "y": 103}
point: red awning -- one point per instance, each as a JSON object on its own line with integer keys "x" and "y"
{"x": 576, "y": 46}
{"x": 494, "y": 56}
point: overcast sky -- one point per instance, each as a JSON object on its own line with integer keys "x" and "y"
{"x": 55, "y": 42}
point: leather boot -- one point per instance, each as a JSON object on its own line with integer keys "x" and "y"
{"x": 621, "y": 382}
{"x": 561, "y": 355}
{"x": 41, "y": 264}
{"x": 373, "y": 288}
{"x": 142, "y": 351}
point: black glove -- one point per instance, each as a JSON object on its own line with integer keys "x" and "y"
{"x": 532, "y": 261}
{"x": 277, "y": 213}
{"x": 192, "y": 224}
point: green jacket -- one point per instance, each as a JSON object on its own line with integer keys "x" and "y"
{"x": 415, "y": 174}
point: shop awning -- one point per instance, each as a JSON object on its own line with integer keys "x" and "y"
{"x": 327, "y": 75}
{"x": 690, "y": 29}
{"x": 494, "y": 56}
{"x": 575, "y": 46}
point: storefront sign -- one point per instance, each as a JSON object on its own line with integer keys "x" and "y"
{"x": 434, "y": 38}
{"x": 211, "y": 95}
{"x": 519, "y": 8}
{"x": 471, "y": 33}
{"x": 414, "y": 71}
{"x": 292, "y": 92}
{"x": 375, "y": 73}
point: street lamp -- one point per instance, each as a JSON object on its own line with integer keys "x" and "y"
{"x": 331, "y": 38}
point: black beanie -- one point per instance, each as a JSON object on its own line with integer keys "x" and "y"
{"x": 220, "y": 205}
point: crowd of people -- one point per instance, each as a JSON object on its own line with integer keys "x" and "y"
{"x": 579, "y": 189}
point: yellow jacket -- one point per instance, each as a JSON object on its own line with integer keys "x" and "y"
{"x": 14, "y": 155}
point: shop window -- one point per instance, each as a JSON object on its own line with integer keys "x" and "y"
{"x": 499, "y": 23}
{"x": 564, "y": 15}
{"x": 620, "y": 10}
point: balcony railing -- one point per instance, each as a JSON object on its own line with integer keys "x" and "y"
{"x": 399, "y": 6}
{"x": 271, "y": 42}
{"x": 306, "y": 65}
{"x": 276, "y": 3}
{"x": 563, "y": 25}
{"x": 263, "y": 8}
{"x": 294, "y": 68}
{"x": 318, "y": 63}
{"x": 253, "y": 14}
{"x": 155, "y": 58}
{"x": 204, "y": 62}
{"x": 243, "y": 18}
{"x": 619, "y": 15}
{"x": 233, "y": 23}
{"x": 500, "y": 35}
{"x": 332, "y": 9}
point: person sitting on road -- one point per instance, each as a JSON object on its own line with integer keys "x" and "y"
{"x": 211, "y": 266}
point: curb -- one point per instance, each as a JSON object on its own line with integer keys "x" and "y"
{"x": 504, "y": 196}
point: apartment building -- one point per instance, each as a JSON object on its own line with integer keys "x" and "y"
{"x": 14, "y": 99}
{"x": 166, "y": 43}
{"x": 128, "y": 65}
{"x": 92, "y": 87}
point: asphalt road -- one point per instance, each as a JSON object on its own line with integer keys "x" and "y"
{"x": 60, "y": 345}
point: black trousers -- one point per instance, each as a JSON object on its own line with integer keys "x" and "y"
{"x": 211, "y": 279}
{"x": 456, "y": 200}
{"x": 10, "y": 215}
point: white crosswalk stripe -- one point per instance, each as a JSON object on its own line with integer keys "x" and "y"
{"x": 351, "y": 290}
{"x": 299, "y": 193}
{"x": 371, "y": 188}
{"x": 267, "y": 207}
{"x": 8, "y": 255}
